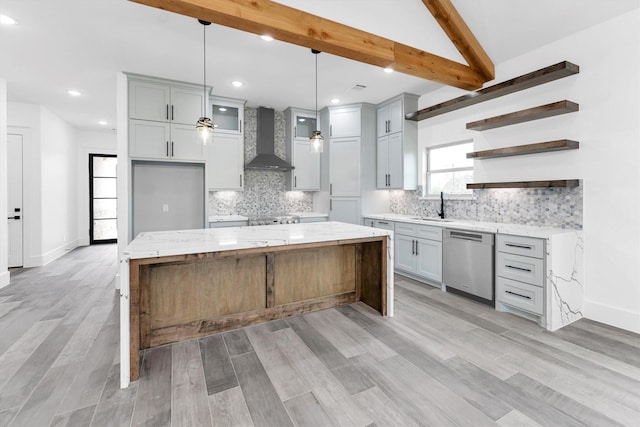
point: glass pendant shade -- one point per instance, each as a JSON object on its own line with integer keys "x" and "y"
{"x": 317, "y": 141}
{"x": 204, "y": 126}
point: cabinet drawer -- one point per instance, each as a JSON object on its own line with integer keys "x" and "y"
{"x": 406, "y": 228}
{"x": 521, "y": 268}
{"x": 520, "y": 295}
{"x": 429, "y": 232}
{"x": 386, "y": 225}
{"x": 520, "y": 245}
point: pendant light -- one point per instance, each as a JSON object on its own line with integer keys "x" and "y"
{"x": 204, "y": 126}
{"x": 316, "y": 139}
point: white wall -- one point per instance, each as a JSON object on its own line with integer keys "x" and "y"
{"x": 4, "y": 242}
{"x": 608, "y": 129}
{"x": 50, "y": 182}
{"x": 89, "y": 142}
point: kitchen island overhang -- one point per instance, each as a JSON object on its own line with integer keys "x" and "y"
{"x": 179, "y": 285}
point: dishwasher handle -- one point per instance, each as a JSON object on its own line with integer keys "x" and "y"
{"x": 475, "y": 237}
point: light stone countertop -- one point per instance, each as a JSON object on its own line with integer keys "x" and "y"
{"x": 180, "y": 242}
{"x": 480, "y": 226}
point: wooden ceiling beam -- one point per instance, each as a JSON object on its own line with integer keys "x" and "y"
{"x": 304, "y": 29}
{"x": 461, "y": 36}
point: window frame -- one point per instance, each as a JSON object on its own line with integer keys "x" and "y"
{"x": 427, "y": 171}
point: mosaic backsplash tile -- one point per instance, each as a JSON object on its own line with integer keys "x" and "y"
{"x": 264, "y": 191}
{"x": 545, "y": 207}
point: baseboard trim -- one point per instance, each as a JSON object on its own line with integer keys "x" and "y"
{"x": 5, "y": 278}
{"x": 58, "y": 252}
{"x": 613, "y": 316}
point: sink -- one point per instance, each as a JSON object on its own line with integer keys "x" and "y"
{"x": 436, "y": 219}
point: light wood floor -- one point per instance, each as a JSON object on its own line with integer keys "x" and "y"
{"x": 442, "y": 361}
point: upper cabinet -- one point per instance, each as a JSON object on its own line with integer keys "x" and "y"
{"x": 227, "y": 114}
{"x": 345, "y": 122}
{"x": 165, "y": 102}
{"x": 397, "y": 144}
{"x": 306, "y": 173}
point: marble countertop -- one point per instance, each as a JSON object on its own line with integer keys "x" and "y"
{"x": 227, "y": 218}
{"x": 481, "y": 226}
{"x": 180, "y": 242}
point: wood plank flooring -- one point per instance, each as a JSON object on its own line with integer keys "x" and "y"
{"x": 442, "y": 361}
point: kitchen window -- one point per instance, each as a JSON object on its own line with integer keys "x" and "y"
{"x": 448, "y": 169}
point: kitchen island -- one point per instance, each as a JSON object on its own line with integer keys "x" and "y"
{"x": 180, "y": 285}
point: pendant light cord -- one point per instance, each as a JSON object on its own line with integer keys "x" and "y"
{"x": 204, "y": 77}
{"x": 316, "y": 91}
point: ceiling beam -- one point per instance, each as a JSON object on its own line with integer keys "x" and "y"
{"x": 459, "y": 33}
{"x": 304, "y": 29}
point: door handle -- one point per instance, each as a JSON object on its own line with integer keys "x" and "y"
{"x": 172, "y": 112}
{"x": 14, "y": 217}
{"x": 416, "y": 248}
{"x": 167, "y": 115}
{"x": 413, "y": 247}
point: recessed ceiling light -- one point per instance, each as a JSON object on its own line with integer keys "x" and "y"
{"x": 7, "y": 20}
{"x": 335, "y": 100}
{"x": 302, "y": 119}
{"x": 237, "y": 83}
{"x": 267, "y": 37}
{"x": 388, "y": 70}
{"x": 103, "y": 122}
{"x": 223, "y": 109}
{"x": 73, "y": 92}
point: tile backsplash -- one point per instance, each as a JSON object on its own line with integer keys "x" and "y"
{"x": 264, "y": 191}
{"x": 546, "y": 207}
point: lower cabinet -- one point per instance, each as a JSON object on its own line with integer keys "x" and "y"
{"x": 418, "y": 256}
{"x": 345, "y": 210}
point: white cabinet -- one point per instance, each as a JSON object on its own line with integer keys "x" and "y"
{"x": 163, "y": 102}
{"x": 164, "y": 141}
{"x": 344, "y": 167}
{"x": 306, "y": 173}
{"x": 397, "y": 144}
{"x": 369, "y": 222}
{"x": 345, "y": 122}
{"x": 419, "y": 251}
{"x": 346, "y": 209}
{"x": 225, "y": 153}
{"x": 225, "y": 162}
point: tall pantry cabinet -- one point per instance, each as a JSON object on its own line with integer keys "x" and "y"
{"x": 352, "y": 163}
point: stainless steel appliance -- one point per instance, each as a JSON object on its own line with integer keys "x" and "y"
{"x": 273, "y": 219}
{"x": 467, "y": 263}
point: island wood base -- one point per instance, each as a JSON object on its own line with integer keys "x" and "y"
{"x": 176, "y": 298}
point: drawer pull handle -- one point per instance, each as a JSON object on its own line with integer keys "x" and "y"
{"x": 382, "y": 222}
{"x": 518, "y": 268}
{"x": 513, "y": 245}
{"x": 518, "y": 295}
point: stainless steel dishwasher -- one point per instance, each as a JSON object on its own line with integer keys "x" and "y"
{"x": 467, "y": 263}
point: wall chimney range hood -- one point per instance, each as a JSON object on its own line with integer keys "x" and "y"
{"x": 266, "y": 158}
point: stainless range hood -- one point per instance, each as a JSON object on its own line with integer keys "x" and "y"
{"x": 266, "y": 158}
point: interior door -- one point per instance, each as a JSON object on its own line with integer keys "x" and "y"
{"x": 14, "y": 205}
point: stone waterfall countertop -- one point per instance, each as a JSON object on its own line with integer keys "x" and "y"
{"x": 480, "y": 226}
{"x": 180, "y": 242}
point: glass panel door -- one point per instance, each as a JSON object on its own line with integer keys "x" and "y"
{"x": 102, "y": 198}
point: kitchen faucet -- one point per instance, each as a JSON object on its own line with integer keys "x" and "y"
{"x": 441, "y": 213}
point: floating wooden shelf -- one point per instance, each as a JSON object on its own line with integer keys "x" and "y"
{"x": 535, "y": 78}
{"x": 525, "y": 184}
{"x": 535, "y": 113}
{"x": 539, "y": 147}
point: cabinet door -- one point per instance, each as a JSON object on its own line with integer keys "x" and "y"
{"x": 186, "y": 143}
{"x": 382, "y": 119}
{"x": 304, "y": 124}
{"x": 395, "y": 117}
{"x": 344, "y": 167}
{"x": 405, "y": 258}
{"x": 382, "y": 163}
{"x": 187, "y": 105}
{"x": 345, "y": 210}
{"x": 429, "y": 260}
{"x": 149, "y": 140}
{"x": 345, "y": 122}
{"x": 395, "y": 161}
{"x": 225, "y": 163}
{"x": 149, "y": 101}
{"x": 369, "y": 222}
{"x": 227, "y": 116}
{"x": 306, "y": 175}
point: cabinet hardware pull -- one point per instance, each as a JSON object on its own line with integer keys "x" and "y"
{"x": 413, "y": 250}
{"x": 330, "y": 205}
{"x": 240, "y": 129}
{"x": 330, "y": 130}
{"x": 167, "y": 114}
{"x": 382, "y": 222}
{"x": 330, "y": 189}
{"x": 513, "y": 245}
{"x": 295, "y": 131}
{"x": 518, "y": 295}
{"x": 172, "y": 112}
{"x": 171, "y": 148}
{"x": 295, "y": 182}
{"x": 517, "y": 268}
{"x": 14, "y": 217}
{"x": 241, "y": 180}
{"x": 416, "y": 247}
{"x": 167, "y": 148}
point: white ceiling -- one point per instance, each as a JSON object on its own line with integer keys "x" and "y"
{"x": 82, "y": 44}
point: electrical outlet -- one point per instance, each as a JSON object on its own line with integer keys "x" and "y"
{"x": 165, "y": 208}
